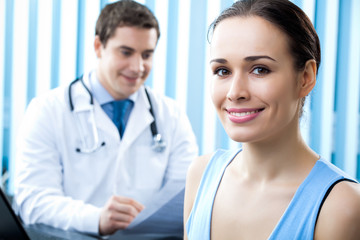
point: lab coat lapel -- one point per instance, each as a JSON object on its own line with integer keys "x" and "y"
{"x": 104, "y": 122}
{"x": 82, "y": 103}
{"x": 140, "y": 119}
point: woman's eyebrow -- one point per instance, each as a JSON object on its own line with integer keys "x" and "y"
{"x": 254, "y": 58}
{"x": 247, "y": 59}
{"x": 219, "y": 60}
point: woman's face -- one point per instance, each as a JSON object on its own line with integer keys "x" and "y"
{"x": 254, "y": 83}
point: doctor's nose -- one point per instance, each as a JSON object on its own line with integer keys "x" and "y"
{"x": 137, "y": 64}
{"x": 239, "y": 89}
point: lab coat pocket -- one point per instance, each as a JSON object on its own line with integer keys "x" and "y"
{"x": 150, "y": 167}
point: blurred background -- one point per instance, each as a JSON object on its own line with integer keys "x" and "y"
{"x": 45, "y": 43}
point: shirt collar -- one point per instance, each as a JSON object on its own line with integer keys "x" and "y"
{"x": 101, "y": 95}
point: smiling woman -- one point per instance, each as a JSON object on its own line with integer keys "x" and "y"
{"x": 260, "y": 81}
{"x": 264, "y": 58}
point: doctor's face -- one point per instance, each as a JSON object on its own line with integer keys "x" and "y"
{"x": 126, "y": 60}
{"x": 254, "y": 81}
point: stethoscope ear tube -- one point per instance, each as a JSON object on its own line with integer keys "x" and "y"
{"x": 96, "y": 145}
{"x": 86, "y": 88}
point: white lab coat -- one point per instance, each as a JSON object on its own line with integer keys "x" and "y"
{"x": 58, "y": 186}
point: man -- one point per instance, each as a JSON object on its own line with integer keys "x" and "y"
{"x": 86, "y": 161}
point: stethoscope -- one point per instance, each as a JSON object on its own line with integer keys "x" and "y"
{"x": 158, "y": 145}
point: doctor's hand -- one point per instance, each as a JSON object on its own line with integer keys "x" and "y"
{"x": 117, "y": 214}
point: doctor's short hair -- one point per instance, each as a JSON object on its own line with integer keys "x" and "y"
{"x": 124, "y": 13}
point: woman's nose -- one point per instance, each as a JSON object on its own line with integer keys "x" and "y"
{"x": 239, "y": 88}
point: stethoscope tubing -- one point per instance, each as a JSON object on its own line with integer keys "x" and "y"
{"x": 159, "y": 144}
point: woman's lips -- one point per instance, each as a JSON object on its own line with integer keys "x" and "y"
{"x": 243, "y": 115}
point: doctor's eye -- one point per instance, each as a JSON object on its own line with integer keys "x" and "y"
{"x": 260, "y": 71}
{"x": 126, "y": 53}
{"x": 222, "y": 72}
{"x": 147, "y": 55}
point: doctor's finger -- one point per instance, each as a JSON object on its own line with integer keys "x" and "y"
{"x": 130, "y": 201}
{"x": 110, "y": 221}
{"x": 121, "y": 218}
{"x": 125, "y": 208}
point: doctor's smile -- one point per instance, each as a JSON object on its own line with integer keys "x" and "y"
{"x": 131, "y": 79}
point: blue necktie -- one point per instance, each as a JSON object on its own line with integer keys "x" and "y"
{"x": 120, "y": 114}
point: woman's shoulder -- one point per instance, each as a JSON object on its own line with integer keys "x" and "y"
{"x": 194, "y": 175}
{"x": 197, "y": 168}
{"x": 213, "y": 162}
{"x": 339, "y": 216}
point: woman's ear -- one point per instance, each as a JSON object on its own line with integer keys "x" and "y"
{"x": 97, "y": 46}
{"x": 308, "y": 78}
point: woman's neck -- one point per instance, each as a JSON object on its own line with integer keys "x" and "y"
{"x": 283, "y": 156}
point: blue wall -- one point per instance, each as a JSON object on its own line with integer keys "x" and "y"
{"x": 44, "y": 43}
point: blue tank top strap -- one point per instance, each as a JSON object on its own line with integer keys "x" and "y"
{"x": 199, "y": 222}
{"x": 299, "y": 219}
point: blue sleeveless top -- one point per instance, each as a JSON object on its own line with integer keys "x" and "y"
{"x": 299, "y": 219}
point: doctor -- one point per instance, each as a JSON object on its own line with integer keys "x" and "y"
{"x": 79, "y": 169}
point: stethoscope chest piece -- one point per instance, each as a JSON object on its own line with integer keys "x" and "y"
{"x": 158, "y": 144}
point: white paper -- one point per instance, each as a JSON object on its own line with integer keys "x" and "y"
{"x": 163, "y": 215}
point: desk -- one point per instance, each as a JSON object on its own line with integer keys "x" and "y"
{"x": 44, "y": 232}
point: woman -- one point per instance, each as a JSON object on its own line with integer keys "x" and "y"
{"x": 264, "y": 58}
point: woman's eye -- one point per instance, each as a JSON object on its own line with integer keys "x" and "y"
{"x": 260, "y": 71}
{"x": 221, "y": 72}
